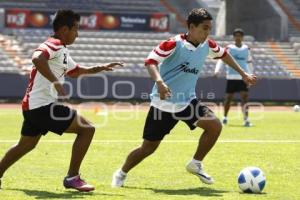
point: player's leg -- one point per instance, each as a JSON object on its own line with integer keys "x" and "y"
{"x": 62, "y": 119}
{"x": 25, "y": 145}
{"x": 227, "y": 103}
{"x": 212, "y": 130}
{"x": 204, "y": 118}
{"x": 85, "y": 132}
{"x": 157, "y": 125}
{"x": 245, "y": 109}
{"x": 134, "y": 158}
{"x": 137, "y": 155}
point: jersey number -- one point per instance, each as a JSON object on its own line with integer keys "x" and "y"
{"x": 65, "y": 59}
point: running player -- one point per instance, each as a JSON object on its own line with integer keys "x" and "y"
{"x": 235, "y": 83}
{"x": 41, "y": 111}
{"x": 175, "y": 65}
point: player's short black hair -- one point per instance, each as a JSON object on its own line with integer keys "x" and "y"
{"x": 65, "y": 18}
{"x": 238, "y": 30}
{"x": 197, "y": 16}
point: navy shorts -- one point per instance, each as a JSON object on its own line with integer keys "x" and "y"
{"x": 159, "y": 123}
{"x": 53, "y": 117}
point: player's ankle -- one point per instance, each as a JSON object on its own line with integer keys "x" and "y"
{"x": 196, "y": 161}
{"x": 122, "y": 172}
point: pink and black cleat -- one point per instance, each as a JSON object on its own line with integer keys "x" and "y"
{"x": 78, "y": 184}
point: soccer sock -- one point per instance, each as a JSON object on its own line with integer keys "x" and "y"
{"x": 196, "y": 161}
{"x": 71, "y": 178}
{"x": 122, "y": 173}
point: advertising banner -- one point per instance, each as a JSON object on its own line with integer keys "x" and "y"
{"x": 157, "y": 22}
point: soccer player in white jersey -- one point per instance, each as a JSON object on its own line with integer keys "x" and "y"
{"x": 241, "y": 53}
{"x": 175, "y": 65}
{"x": 41, "y": 111}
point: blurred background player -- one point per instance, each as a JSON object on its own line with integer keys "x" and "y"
{"x": 41, "y": 112}
{"x": 175, "y": 65}
{"x": 241, "y": 53}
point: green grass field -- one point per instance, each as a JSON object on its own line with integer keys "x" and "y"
{"x": 273, "y": 144}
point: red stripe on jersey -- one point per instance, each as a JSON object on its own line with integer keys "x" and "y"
{"x": 52, "y": 48}
{"x": 150, "y": 62}
{"x": 167, "y": 45}
{"x": 25, "y": 102}
{"x": 44, "y": 52}
{"x": 212, "y": 44}
{"x": 161, "y": 55}
{"x": 72, "y": 71}
{"x": 224, "y": 54}
{"x": 54, "y": 41}
{"x": 216, "y": 51}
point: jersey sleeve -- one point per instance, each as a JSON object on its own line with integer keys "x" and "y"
{"x": 72, "y": 66}
{"x": 161, "y": 52}
{"x": 215, "y": 51}
{"x": 48, "y": 50}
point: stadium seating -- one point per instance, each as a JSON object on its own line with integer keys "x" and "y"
{"x": 97, "y": 47}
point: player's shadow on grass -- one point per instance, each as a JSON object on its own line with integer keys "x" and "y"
{"x": 40, "y": 194}
{"x": 201, "y": 191}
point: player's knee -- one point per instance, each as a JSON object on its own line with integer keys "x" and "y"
{"x": 215, "y": 128}
{"x": 87, "y": 129}
{"x": 90, "y": 129}
{"x": 26, "y": 146}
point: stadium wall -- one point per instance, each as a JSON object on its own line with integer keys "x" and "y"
{"x": 138, "y": 88}
{"x": 262, "y": 19}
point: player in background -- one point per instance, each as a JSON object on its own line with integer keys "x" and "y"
{"x": 41, "y": 111}
{"x": 175, "y": 65}
{"x": 241, "y": 53}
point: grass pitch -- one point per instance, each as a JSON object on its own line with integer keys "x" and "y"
{"x": 273, "y": 144}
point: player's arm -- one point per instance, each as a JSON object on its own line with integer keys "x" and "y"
{"x": 250, "y": 79}
{"x": 41, "y": 63}
{"x": 93, "y": 70}
{"x": 156, "y": 56}
{"x": 218, "y": 68}
{"x": 163, "y": 90}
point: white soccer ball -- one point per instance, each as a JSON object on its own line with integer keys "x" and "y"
{"x": 296, "y": 108}
{"x": 251, "y": 180}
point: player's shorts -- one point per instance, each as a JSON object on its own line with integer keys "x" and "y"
{"x": 54, "y": 117}
{"x": 159, "y": 123}
{"x": 234, "y": 86}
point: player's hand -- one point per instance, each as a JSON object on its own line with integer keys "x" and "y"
{"x": 163, "y": 90}
{"x": 111, "y": 66}
{"x": 250, "y": 79}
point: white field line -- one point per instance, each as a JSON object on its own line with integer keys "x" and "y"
{"x": 165, "y": 141}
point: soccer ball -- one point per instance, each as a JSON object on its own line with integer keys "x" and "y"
{"x": 251, "y": 180}
{"x": 296, "y": 108}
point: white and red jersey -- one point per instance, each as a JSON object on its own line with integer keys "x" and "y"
{"x": 40, "y": 91}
